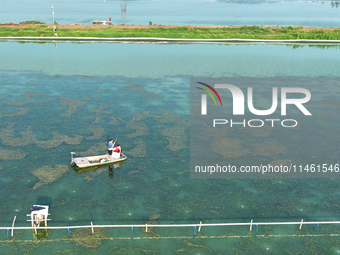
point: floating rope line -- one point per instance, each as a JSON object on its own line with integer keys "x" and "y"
{"x": 172, "y": 237}
{"x": 185, "y": 225}
{"x": 194, "y": 226}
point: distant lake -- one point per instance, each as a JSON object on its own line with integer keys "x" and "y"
{"x": 187, "y": 12}
{"x": 72, "y": 97}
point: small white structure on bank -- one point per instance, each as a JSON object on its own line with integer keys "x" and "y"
{"x": 102, "y": 22}
{"x": 39, "y": 213}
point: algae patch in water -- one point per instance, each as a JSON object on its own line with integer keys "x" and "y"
{"x": 155, "y": 217}
{"x": 26, "y": 137}
{"x": 47, "y": 100}
{"x": 115, "y": 121}
{"x": 72, "y": 104}
{"x": 98, "y": 132}
{"x": 283, "y": 162}
{"x": 141, "y": 129}
{"x": 140, "y": 115}
{"x": 12, "y": 154}
{"x": 130, "y": 250}
{"x": 168, "y": 117}
{"x": 85, "y": 238}
{"x": 210, "y": 131}
{"x": 193, "y": 248}
{"x": 176, "y": 137}
{"x": 324, "y": 114}
{"x": 58, "y": 140}
{"x": 150, "y": 95}
{"x": 259, "y": 132}
{"x": 20, "y": 112}
{"x": 32, "y": 94}
{"x": 270, "y": 148}
{"x": 71, "y": 140}
{"x": 229, "y": 148}
{"x": 152, "y": 220}
{"x": 97, "y": 120}
{"x": 175, "y": 134}
{"x": 329, "y": 102}
{"x": 90, "y": 176}
{"x": 134, "y": 87}
{"x": 101, "y": 109}
{"x": 96, "y": 149}
{"x": 47, "y": 174}
{"x": 28, "y": 101}
{"x": 41, "y": 234}
{"x": 139, "y": 151}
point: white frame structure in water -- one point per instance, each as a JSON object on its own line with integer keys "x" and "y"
{"x": 200, "y": 225}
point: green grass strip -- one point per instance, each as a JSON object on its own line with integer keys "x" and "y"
{"x": 182, "y": 32}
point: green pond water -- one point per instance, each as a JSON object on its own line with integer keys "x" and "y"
{"x": 58, "y": 98}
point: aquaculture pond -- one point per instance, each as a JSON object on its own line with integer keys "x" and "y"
{"x": 73, "y": 97}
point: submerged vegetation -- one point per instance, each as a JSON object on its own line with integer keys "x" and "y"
{"x": 84, "y": 237}
{"x": 152, "y": 187}
{"x": 48, "y": 174}
{"x": 162, "y": 31}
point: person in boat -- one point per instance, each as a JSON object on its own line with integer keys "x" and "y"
{"x": 110, "y": 146}
{"x": 117, "y": 149}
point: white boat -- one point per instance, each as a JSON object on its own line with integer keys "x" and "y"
{"x": 83, "y": 162}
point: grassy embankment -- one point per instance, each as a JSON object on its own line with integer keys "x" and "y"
{"x": 192, "y": 32}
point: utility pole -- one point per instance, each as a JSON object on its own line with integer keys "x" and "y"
{"x": 53, "y": 20}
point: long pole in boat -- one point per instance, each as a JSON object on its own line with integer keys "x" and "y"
{"x": 113, "y": 144}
